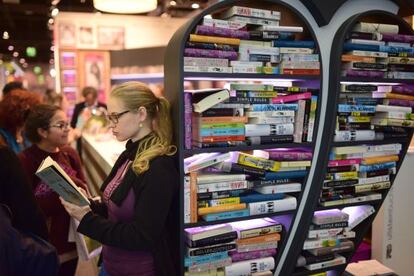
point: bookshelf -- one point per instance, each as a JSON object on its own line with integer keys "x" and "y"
{"x": 176, "y": 78}
{"x": 327, "y": 27}
{"x": 336, "y": 85}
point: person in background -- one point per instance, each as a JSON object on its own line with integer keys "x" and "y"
{"x": 47, "y": 127}
{"x": 13, "y": 85}
{"x": 14, "y": 108}
{"x": 53, "y": 98}
{"x": 91, "y": 95}
{"x": 137, "y": 222}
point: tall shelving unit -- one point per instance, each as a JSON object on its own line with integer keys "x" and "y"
{"x": 174, "y": 87}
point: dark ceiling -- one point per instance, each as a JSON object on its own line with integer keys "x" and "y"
{"x": 26, "y": 21}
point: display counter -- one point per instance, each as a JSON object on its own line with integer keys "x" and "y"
{"x": 99, "y": 153}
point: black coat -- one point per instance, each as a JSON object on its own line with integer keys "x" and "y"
{"x": 156, "y": 220}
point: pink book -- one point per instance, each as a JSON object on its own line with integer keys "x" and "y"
{"x": 236, "y": 256}
{"x": 290, "y": 155}
{"x": 346, "y": 162}
{"x": 292, "y": 98}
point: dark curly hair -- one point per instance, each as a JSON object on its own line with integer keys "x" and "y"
{"x": 15, "y": 107}
{"x": 39, "y": 117}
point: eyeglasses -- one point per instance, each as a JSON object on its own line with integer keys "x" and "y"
{"x": 114, "y": 117}
{"x": 61, "y": 126}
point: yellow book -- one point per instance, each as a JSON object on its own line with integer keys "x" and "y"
{"x": 221, "y": 208}
{"x": 379, "y": 159}
{"x": 257, "y": 162}
{"x": 399, "y": 96}
{"x": 193, "y": 197}
{"x": 224, "y": 201}
{"x": 290, "y": 164}
{"x": 214, "y": 39}
{"x": 260, "y": 239}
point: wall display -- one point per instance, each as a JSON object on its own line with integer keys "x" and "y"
{"x": 67, "y": 34}
{"x": 111, "y": 37}
{"x": 256, "y": 154}
{"x": 94, "y": 71}
{"x": 86, "y": 36}
{"x": 68, "y": 59}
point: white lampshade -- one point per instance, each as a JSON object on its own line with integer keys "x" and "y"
{"x": 125, "y": 6}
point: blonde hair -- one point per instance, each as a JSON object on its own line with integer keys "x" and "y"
{"x": 135, "y": 94}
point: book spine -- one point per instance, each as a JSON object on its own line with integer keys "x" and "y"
{"x": 226, "y": 215}
{"x": 212, "y": 62}
{"x": 194, "y": 52}
{"x": 250, "y": 266}
{"x": 214, "y": 39}
{"x": 211, "y": 249}
{"x": 288, "y": 203}
{"x": 223, "y": 24}
{"x": 237, "y": 256}
{"x": 251, "y": 233}
{"x": 292, "y": 98}
{"x": 224, "y": 32}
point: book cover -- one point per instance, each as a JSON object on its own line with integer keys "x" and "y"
{"x": 57, "y": 179}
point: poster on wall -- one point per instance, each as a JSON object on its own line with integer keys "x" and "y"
{"x": 111, "y": 37}
{"x": 67, "y": 34}
{"x": 96, "y": 72}
{"x": 86, "y": 36}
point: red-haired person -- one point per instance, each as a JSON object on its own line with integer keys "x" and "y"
{"x": 47, "y": 127}
{"x": 13, "y": 111}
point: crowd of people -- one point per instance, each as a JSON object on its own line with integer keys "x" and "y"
{"x": 136, "y": 217}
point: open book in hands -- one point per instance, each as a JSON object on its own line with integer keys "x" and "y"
{"x": 57, "y": 179}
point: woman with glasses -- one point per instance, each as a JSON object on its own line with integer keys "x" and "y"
{"x": 47, "y": 128}
{"x": 137, "y": 222}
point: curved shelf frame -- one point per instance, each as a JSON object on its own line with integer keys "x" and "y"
{"x": 173, "y": 80}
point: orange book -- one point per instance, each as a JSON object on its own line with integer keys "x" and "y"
{"x": 300, "y": 71}
{"x": 357, "y": 58}
{"x": 379, "y": 159}
{"x": 223, "y": 119}
{"x": 259, "y": 239}
{"x": 215, "y": 139}
{"x": 214, "y": 39}
{"x": 221, "y": 208}
{"x": 193, "y": 197}
{"x": 399, "y": 96}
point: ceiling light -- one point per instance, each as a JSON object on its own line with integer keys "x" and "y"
{"x": 55, "y": 12}
{"x": 55, "y": 2}
{"x": 6, "y": 35}
{"x": 15, "y": 54}
{"x": 173, "y": 3}
{"x": 52, "y": 72}
{"x": 10, "y": 48}
{"x": 25, "y": 65}
{"x": 125, "y": 6}
{"x": 51, "y": 21}
{"x": 22, "y": 60}
{"x": 195, "y": 6}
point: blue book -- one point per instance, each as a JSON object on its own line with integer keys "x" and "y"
{"x": 396, "y": 49}
{"x": 287, "y": 174}
{"x": 356, "y": 108}
{"x": 202, "y": 259}
{"x": 274, "y": 107}
{"x": 360, "y": 47}
{"x": 227, "y": 215}
{"x": 221, "y": 131}
{"x": 256, "y": 197}
{"x": 375, "y": 167}
{"x": 294, "y": 43}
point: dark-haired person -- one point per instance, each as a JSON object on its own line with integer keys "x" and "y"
{"x": 47, "y": 127}
{"x": 14, "y": 108}
{"x": 138, "y": 220}
{"x": 13, "y": 85}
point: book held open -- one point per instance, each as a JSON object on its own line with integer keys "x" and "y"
{"x": 58, "y": 180}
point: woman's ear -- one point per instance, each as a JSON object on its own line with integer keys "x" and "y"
{"x": 42, "y": 132}
{"x": 142, "y": 113}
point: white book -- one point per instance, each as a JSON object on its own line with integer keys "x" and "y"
{"x": 206, "y": 161}
{"x": 354, "y": 135}
{"x": 211, "y": 100}
{"x": 59, "y": 181}
{"x": 280, "y": 188}
{"x": 202, "y": 232}
{"x": 363, "y": 188}
{"x": 222, "y": 186}
{"x": 187, "y": 196}
{"x": 272, "y": 120}
{"x": 299, "y": 121}
{"x": 266, "y": 114}
{"x": 223, "y": 23}
{"x": 337, "y": 261}
{"x": 243, "y": 69}
{"x": 273, "y": 206}
{"x": 246, "y": 63}
{"x": 206, "y": 178}
{"x": 196, "y": 61}
{"x": 324, "y": 233}
{"x": 350, "y": 149}
{"x": 256, "y": 246}
{"x": 256, "y": 43}
{"x": 388, "y": 108}
{"x": 368, "y": 53}
{"x": 398, "y": 44}
{"x": 291, "y": 29}
{"x": 250, "y": 266}
{"x": 394, "y": 115}
{"x": 251, "y": 12}
{"x": 210, "y": 265}
{"x": 268, "y": 129}
{"x": 357, "y": 214}
{"x": 366, "y": 27}
{"x": 366, "y": 42}
{"x": 323, "y": 242}
{"x": 254, "y": 21}
{"x": 329, "y": 216}
{"x": 208, "y": 69}
{"x": 372, "y": 154}
{"x": 291, "y": 50}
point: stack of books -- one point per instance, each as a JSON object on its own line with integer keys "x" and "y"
{"x": 330, "y": 233}
{"x": 379, "y": 51}
{"x": 249, "y": 114}
{"x": 374, "y": 112}
{"x": 230, "y": 185}
{"x": 238, "y": 248}
{"x": 249, "y": 40}
{"x": 359, "y": 173}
